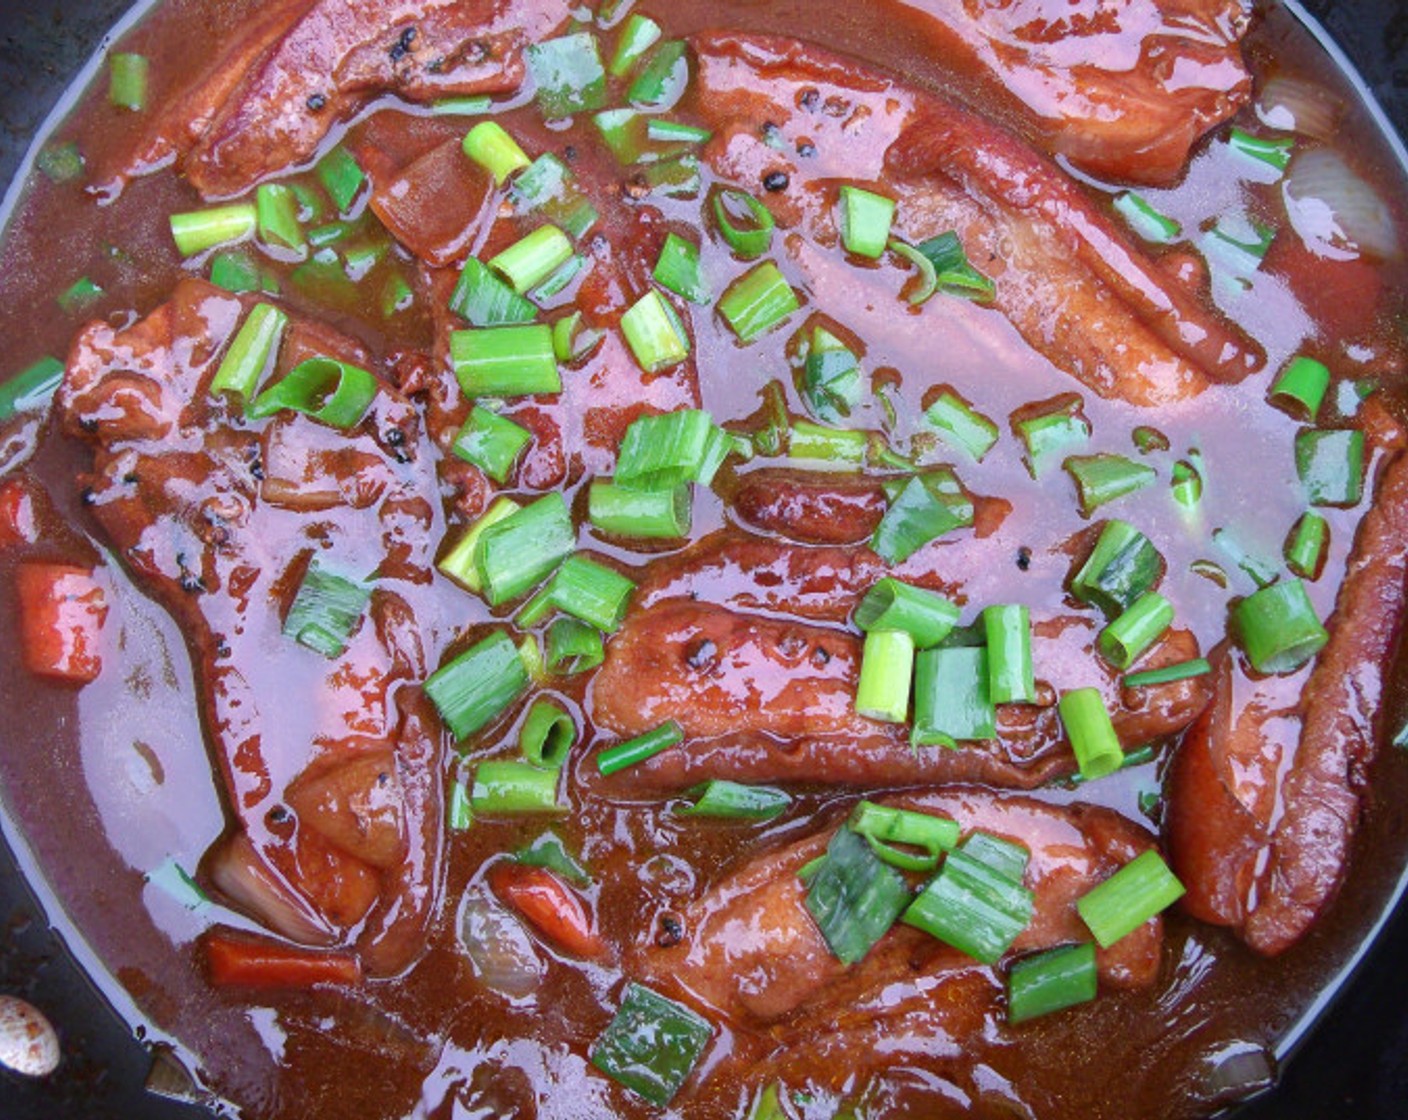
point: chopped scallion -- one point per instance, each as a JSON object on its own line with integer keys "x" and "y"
{"x": 547, "y": 735}
{"x": 511, "y": 361}
{"x": 512, "y": 787}
{"x": 491, "y": 442}
{"x": 637, "y": 750}
{"x": 925, "y": 616}
{"x": 458, "y": 563}
{"x": 651, "y": 1045}
{"x": 886, "y": 670}
{"x": 574, "y": 647}
{"x": 854, "y": 896}
{"x": 591, "y": 591}
{"x": 1331, "y": 466}
{"x": 743, "y": 221}
{"x": 1102, "y": 478}
{"x": 490, "y": 146}
{"x": 662, "y": 81}
{"x": 1130, "y": 636}
{"x": 251, "y": 354}
{"x": 638, "y": 35}
{"x": 678, "y": 270}
{"x": 916, "y": 516}
{"x": 627, "y": 512}
{"x": 1049, "y": 435}
{"x": 1307, "y": 545}
{"x": 960, "y": 425}
{"x": 342, "y": 177}
{"x": 326, "y": 610}
{"x": 1272, "y": 152}
{"x": 1051, "y": 981}
{"x": 532, "y": 259}
{"x": 276, "y": 218}
{"x": 1008, "y": 629}
{"x": 478, "y": 685}
{"x": 1278, "y": 628}
{"x": 831, "y": 379}
{"x": 972, "y": 906}
{"x": 569, "y": 75}
{"x": 1131, "y": 896}
{"x": 654, "y": 333}
{"x": 735, "y": 801}
{"x": 1091, "y": 732}
{"x": 1147, "y": 222}
{"x": 127, "y": 81}
{"x": 884, "y": 827}
{"x": 1300, "y": 388}
{"x": 518, "y": 552}
{"x": 1167, "y": 674}
{"x": 865, "y": 221}
{"x": 331, "y": 392}
{"x": 664, "y": 451}
{"x": 486, "y": 301}
{"x": 758, "y": 301}
{"x": 954, "y": 274}
{"x": 951, "y": 699}
{"x": 198, "y": 230}
{"x": 31, "y": 389}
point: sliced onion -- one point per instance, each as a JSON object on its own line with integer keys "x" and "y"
{"x": 1336, "y": 212}
{"x": 501, "y": 950}
{"x": 1299, "y": 105}
{"x": 238, "y": 873}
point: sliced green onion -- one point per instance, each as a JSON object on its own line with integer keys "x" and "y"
{"x": 638, "y": 35}
{"x": 886, "y": 669}
{"x": 1237, "y": 245}
{"x": 486, "y": 301}
{"x": 767, "y": 1105}
{"x": 331, "y": 392}
{"x": 663, "y": 79}
{"x": 396, "y": 296}
{"x": 558, "y": 281}
{"x": 573, "y": 342}
{"x": 568, "y": 74}
{"x": 637, "y": 750}
{"x": 361, "y": 259}
{"x": 1102, "y": 478}
{"x": 512, "y": 787}
{"x": 1129, "y": 898}
{"x": 537, "y": 608}
{"x": 1331, "y": 466}
{"x": 973, "y": 907}
{"x": 831, "y": 377}
{"x": 830, "y": 445}
{"x": 743, "y": 221}
{"x": 574, "y": 647}
{"x": 676, "y": 132}
{"x": 925, "y": 616}
{"x": 962, "y": 426}
{"x": 1091, "y": 732}
{"x": 591, "y": 592}
{"x": 1300, "y": 388}
{"x": 511, "y": 361}
{"x": 1048, "y": 436}
{"x": 1007, "y": 857}
{"x": 652, "y": 1045}
{"x": 954, "y": 274}
{"x": 474, "y": 106}
{"x": 1147, "y": 222}
{"x": 532, "y": 259}
{"x": 326, "y": 610}
{"x": 883, "y": 827}
{"x": 488, "y": 145}
{"x": 916, "y": 516}
{"x": 549, "y": 851}
{"x": 627, "y": 512}
{"x": 1186, "y": 485}
{"x": 547, "y": 735}
{"x": 1261, "y": 570}
{"x": 251, "y": 354}
{"x": 491, "y": 442}
{"x": 1307, "y": 544}
{"x": 1278, "y": 628}
{"x": 663, "y": 451}
{"x": 478, "y": 685}
{"x": 1274, "y": 153}
{"x": 127, "y": 81}
{"x": 458, "y": 563}
{"x": 342, "y": 177}
{"x": 927, "y": 282}
{"x": 31, "y": 389}
{"x": 276, "y": 218}
{"x": 654, "y": 333}
{"x": 757, "y": 301}
{"x": 235, "y": 272}
{"x": 623, "y": 131}
{"x": 332, "y": 233}
{"x": 673, "y": 178}
{"x": 198, "y": 230}
{"x": 1148, "y": 439}
{"x": 865, "y": 221}
{"x": 80, "y": 295}
{"x": 854, "y": 897}
{"x": 1008, "y": 628}
{"x": 1051, "y": 981}
{"x": 1129, "y": 637}
{"x": 952, "y": 703}
{"x": 738, "y": 802}
{"x": 678, "y": 270}
{"x": 1167, "y": 674}
{"x": 518, "y": 552}
{"x": 459, "y": 812}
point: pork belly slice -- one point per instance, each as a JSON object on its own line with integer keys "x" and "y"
{"x": 751, "y": 951}
{"x": 1266, "y": 791}
{"x": 330, "y": 766}
{"x": 1124, "y": 89}
{"x": 1074, "y": 286}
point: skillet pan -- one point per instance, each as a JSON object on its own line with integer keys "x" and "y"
{"x": 1353, "y": 1057}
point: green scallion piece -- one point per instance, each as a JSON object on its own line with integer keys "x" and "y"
{"x": 972, "y": 906}
{"x": 458, "y": 563}
{"x": 1186, "y": 485}
{"x": 767, "y": 1105}
{"x": 1048, "y": 436}
{"x": 1147, "y": 222}
{"x": 672, "y": 178}
{"x": 532, "y": 259}
{"x": 828, "y": 445}
{"x": 1331, "y": 466}
{"x": 517, "y": 553}
{"x": 735, "y": 801}
{"x": 31, "y": 389}
{"x": 663, "y": 451}
{"x": 512, "y": 361}
{"x": 886, "y": 670}
{"x": 1148, "y": 440}
{"x": 926, "y": 281}
{"x": 925, "y": 616}
{"x": 61, "y": 163}
{"x": 569, "y": 75}
{"x": 574, "y": 647}
{"x": 493, "y": 149}
{"x": 916, "y": 516}
{"x": 637, "y": 750}
{"x": 459, "y": 814}
{"x": 854, "y": 896}
{"x": 478, "y": 685}
{"x": 572, "y": 341}
{"x": 624, "y": 132}
{"x": 547, "y": 736}
{"x": 676, "y": 132}
{"x": 744, "y": 222}
{"x": 537, "y": 608}
{"x": 591, "y": 591}
{"x": 1051, "y": 981}
{"x": 664, "y": 78}
{"x": 865, "y": 221}
{"x": 1130, "y": 636}
{"x": 1261, "y": 570}
{"x": 652, "y": 1045}
{"x": 276, "y": 218}
{"x": 127, "y": 81}
{"x": 884, "y": 827}
{"x": 486, "y": 301}
{"x": 1278, "y": 628}
{"x": 326, "y": 610}
{"x": 1008, "y": 628}
{"x": 1272, "y": 152}
{"x": 1167, "y": 674}
{"x": 678, "y": 270}
{"x": 342, "y": 177}
{"x": 198, "y": 230}
{"x": 331, "y": 392}
{"x": 1300, "y": 388}
{"x": 1129, "y": 898}
{"x": 961, "y": 426}
{"x": 1007, "y": 857}
{"x": 832, "y": 383}
{"x": 236, "y": 272}
{"x": 396, "y": 296}
{"x": 252, "y": 353}
{"x": 638, "y": 35}
{"x": 491, "y": 442}
{"x": 626, "y": 512}
{"x": 79, "y": 296}
{"x": 1091, "y": 732}
{"x": 654, "y": 333}
{"x": 549, "y": 851}
{"x": 332, "y": 233}
{"x": 952, "y": 703}
{"x": 511, "y": 787}
{"x": 1102, "y": 478}
{"x": 954, "y": 274}
{"x": 1307, "y": 545}
{"x": 758, "y": 301}
{"x": 472, "y": 106}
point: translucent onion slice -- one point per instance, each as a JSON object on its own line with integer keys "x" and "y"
{"x": 1337, "y": 214}
{"x": 499, "y": 948}
{"x": 1293, "y": 104}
